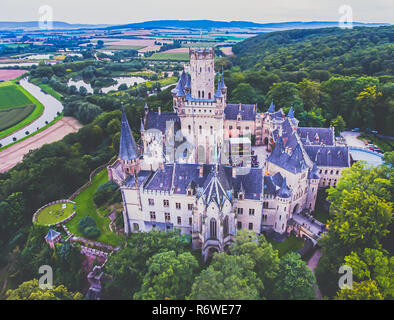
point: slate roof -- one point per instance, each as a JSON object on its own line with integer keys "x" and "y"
{"x": 293, "y": 162}
{"x": 284, "y": 191}
{"x": 329, "y": 156}
{"x": 325, "y": 134}
{"x": 271, "y": 108}
{"x": 128, "y": 149}
{"x": 142, "y": 177}
{"x": 248, "y": 112}
{"x": 313, "y": 173}
{"x": 154, "y": 120}
{"x": 186, "y": 175}
{"x": 272, "y": 184}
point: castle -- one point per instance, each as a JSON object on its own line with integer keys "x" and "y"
{"x": 212, "y": 168}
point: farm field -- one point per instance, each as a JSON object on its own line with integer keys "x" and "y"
{"x": 17, "y": 108}
{"x": 177, "y": 56}
{"x": 86, "y": 207}
{"x": 10, "y": 74}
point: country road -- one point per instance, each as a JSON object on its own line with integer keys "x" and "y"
{"x": 11, "y": 156}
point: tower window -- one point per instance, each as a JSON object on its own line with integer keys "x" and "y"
{"x": 212, "y": 229}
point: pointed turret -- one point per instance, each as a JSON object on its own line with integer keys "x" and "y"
{"x": 188, "y": 84}
{"x": 222, "y": 84}
{"x": 128, "y": 149}
{"x": 271, "y": 108}
{"x": 284, "y": 191}
{"x": 218, "y": 93}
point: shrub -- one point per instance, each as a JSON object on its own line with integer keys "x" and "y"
{"x": 88, "y": 227}
{"x": 107, "y": 193}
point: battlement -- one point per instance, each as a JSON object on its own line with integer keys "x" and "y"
{"x": 201, "y": 53}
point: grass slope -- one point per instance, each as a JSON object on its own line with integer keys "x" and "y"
{"x": 86, "y": 207}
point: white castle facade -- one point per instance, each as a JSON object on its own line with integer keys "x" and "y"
{"x": 194, "y": 171}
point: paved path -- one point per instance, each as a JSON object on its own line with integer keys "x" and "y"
{"x": 312, "y": 264}
{"x": 14, "y": 154}
{"x": 352, "y": 140}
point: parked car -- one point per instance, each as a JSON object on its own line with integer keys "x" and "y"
{"x": 355, "y": 130}
{"x": 374, "y": 131}
{"x": 378, "y": 151}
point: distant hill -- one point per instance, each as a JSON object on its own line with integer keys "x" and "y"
{"x": 207, "y": 24}
{"x": 8, "y": 25}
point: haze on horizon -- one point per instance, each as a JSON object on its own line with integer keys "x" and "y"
{"x": 261, "y": 11}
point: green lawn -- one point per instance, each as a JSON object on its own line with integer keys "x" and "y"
{"x": 11, "y": 96}
{"x": 86, "y": 207}
{"x": 292, "y": 243}
{"x": 55, "y": 213}
{"x": 178, "y": 56}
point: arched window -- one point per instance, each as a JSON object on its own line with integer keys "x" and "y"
{"x": 199, "y": 94}
{"x": 203, "y": 94}
{"x": 136, "y": 227}
{"x": 200, "y": 129}
{"x": 190, "y": 128}
{"x": 209, "y": 95}
{"x": 225, "y": 226}
{"x": 212, "y": 229}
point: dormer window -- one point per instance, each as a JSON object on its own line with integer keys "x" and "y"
{"x": 240, "y": 196}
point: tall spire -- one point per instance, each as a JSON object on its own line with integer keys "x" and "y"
{"x": 128, "y": 149}
{"x": 222, "y": 84}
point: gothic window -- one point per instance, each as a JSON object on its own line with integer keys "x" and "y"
{"x": 225, "y": 226}
{"x": 337, "y": 171}
{"x": 202, "y": 94}
{"x": 211, "y": 130}
{"x": 241, "y": 196}
{"x": 152, "y": 215}
{"x": 200, "y": 129}
{"x": 190, "y": 128}
{"x": 212, "y": 229}
{"x": 167, "y": 216}
{"x": 199, "y": 94}
{"x": 209, "y": 95}
{"x": 136, "y": 226}
{"x": 240, "y": 210}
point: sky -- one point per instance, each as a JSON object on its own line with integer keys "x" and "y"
{"x": 262, "y": 11}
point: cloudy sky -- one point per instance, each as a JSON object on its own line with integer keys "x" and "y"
{"x": 125, "y": 11}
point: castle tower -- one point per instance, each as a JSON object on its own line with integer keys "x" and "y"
{"x": 128, "y": 151}
{"x": 202, "y": 71}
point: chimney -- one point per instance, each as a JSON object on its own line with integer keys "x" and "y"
{"x": 254, "y": 108}
{"x": 240, "y": 107}
{"x": 159, "y": 110}
{"x": 201, "y": 171}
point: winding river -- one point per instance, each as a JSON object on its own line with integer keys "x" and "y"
{"x": 51, "y": 107}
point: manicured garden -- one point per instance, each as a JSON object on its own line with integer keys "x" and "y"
{"x": 87, "y": 208}
{"x": 55, "y": 213}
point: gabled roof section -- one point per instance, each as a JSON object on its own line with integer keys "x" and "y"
{"x": 247, "y": 112}
{"x": 329, "y": 156}
{"x": 291, "y": 113}
{"x": 128, "y": 149}
{"x": 324, "y": 135}
{"x": 154, "y": 120}
{"x": 313, "y": 173}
